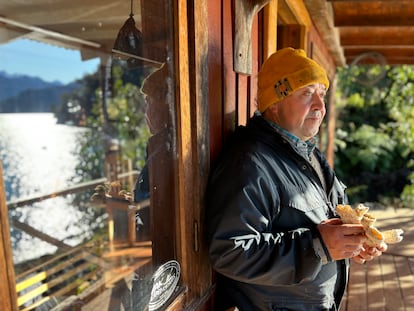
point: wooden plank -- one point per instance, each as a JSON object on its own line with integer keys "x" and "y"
{"x": 200, "y": 172}
{"x": 392, "y": 294}
{"x": 88, "y": 185}
{"x": 269, "y": 29}
{"x": 47, "y": 263}
{"x": 357, "y": 289}
{"x": 48, "y": 286}
{"x": 257, "y": 42}
{"x": 395, "y": 55}
{"x": 229, "y": 78}
{"x": 8, "y": 295}
{"x": 405, "y": 271}
{"x": 38, "y": 234}
{"x": 375, "y": 299}
{"x": 184, "y": 221}
{"x": 215, "y": 77}
{"x": 242, "y": 99}
{"x": 373, "y": 13}
{"x": 368, "y": 35}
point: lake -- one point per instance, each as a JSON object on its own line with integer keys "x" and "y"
{"x": 40, "y": 156}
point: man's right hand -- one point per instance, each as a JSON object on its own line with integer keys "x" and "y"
{"x": 342, "y": 240}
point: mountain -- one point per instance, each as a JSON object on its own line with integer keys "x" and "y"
{"x": 20, "y": 93}
{"x": 13, "y": 84}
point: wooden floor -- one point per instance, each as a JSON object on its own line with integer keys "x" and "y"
{"x": 387, "y": 282}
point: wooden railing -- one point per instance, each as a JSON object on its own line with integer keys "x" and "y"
{"x": 75, "y": 269}
{"x": 56, "y": 278}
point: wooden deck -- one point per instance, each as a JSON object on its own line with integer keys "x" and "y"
{"x": 387, "y": 282}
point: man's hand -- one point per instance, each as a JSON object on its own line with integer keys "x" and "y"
{"x": 342, "y": 240}
{"x": 368, "y": 253}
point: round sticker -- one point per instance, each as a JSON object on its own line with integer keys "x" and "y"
{"x": 165, "y": 280}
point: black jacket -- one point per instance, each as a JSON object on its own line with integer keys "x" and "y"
{"x": 264, "y": 202}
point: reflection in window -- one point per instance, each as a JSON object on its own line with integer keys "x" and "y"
{"x": 90, "y": 193}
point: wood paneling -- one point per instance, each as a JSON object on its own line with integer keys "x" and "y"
{"x": 291, "y": 36}
{"x": 215, "y": 76}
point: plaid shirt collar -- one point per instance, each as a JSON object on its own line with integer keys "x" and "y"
{"x": 304, "y": 148}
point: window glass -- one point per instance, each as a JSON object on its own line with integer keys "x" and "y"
{"x": 90, "y": 180}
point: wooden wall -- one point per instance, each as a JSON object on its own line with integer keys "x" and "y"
{"x": 232, "y": 96}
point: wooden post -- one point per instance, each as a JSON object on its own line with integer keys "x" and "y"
{"x": 8, "y": 295}
{"x": 331, "y": 114}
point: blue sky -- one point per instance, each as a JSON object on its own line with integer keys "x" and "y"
{"x": 45, "y": 61}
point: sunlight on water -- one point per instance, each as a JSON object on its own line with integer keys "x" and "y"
{"x": 40, "y": 156}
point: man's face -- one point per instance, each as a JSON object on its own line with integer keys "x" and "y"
{"x": 155, "y": 89}
{"x": 302, "y": 112}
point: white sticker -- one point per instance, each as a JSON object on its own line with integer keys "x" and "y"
{"x": 165, "y": 280}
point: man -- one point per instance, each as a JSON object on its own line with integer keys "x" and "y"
{"x": 274, "y": 238}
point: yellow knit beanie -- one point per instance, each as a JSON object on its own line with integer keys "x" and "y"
{"x": 283, "y": 73}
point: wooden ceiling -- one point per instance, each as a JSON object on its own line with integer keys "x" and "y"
{"x": 384, "y": 27}
{"x": 363, "y": 26}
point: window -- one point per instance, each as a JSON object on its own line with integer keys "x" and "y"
{"x": 81, "y": 236}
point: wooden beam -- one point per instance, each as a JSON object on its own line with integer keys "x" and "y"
{"x": 270, "y": 29}
{"x": 399, "y": 36}
{"x": 299, "y": 11}
{"x": 393, "y": 55}
{"x": 322, "y": 18}
{"x": 373, "y": 13}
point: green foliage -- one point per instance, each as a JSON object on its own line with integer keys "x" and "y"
{"x": 407, "y": 195}
{"x": 375, "y": 134}
{"x": 119, "y": 118}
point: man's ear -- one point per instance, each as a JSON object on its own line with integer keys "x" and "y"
{"x": 273, "y": 108}
{"x": 270, "y": 111}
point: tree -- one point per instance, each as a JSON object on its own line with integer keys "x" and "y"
{"x": 124, "y": 119}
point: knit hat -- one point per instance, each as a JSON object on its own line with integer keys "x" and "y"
{"x": 283, "y": 73}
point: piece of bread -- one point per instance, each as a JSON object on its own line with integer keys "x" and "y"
{"x": 360, "y": 215}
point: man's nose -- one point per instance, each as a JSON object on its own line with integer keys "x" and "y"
{"x": 318, "y": 101}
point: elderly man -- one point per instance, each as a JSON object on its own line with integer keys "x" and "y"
{"x": 274, "y": 238}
